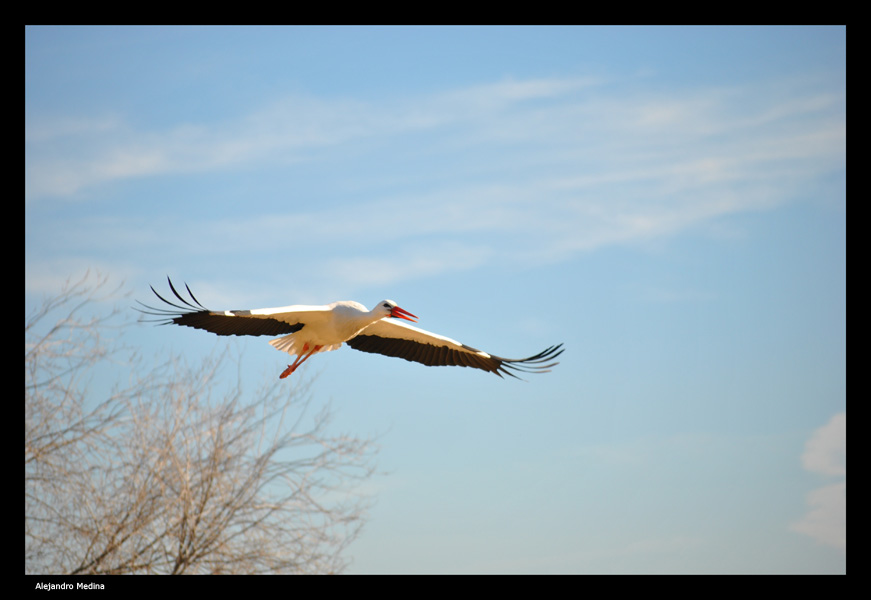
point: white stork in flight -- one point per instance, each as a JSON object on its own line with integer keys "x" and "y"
{"x": 307, "y": 330}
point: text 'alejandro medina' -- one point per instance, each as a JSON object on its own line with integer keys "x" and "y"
{"x": 69, "y": 586}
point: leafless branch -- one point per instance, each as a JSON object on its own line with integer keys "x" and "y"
{"x": 172, "y": 472}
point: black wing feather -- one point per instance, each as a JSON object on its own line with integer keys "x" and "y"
{"x": 441, "y": 356}
{"x": 199, "y": 317}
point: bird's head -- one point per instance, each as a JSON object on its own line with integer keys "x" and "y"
{"x": 389, "y": 309}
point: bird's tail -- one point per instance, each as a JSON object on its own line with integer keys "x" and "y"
{"x": 291, "y": 345}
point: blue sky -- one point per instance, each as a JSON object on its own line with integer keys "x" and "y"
{"x": 669, "y": 203}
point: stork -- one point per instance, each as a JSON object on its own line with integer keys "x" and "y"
{"x": 308, "y": 330}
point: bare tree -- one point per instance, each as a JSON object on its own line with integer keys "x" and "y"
{"x": 171, "y": 472}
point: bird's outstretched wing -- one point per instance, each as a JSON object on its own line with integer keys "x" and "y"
{"x": 395, "y": 338}
{"x": 230, "y": 322}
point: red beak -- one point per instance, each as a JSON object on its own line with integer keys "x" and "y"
{"x": 401, "y": 313}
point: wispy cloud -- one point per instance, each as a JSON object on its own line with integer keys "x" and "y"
{"x": 534, "y": 170}
{"x": 569, "y": 117}
{"x": 826, "y": 454}
{"x": 68, "y": 154}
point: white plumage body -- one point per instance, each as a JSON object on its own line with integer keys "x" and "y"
{"x": 325, "y": 326}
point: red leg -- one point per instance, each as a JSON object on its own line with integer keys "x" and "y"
{"x": 300, "y": 358}
{"x": 298, "y": 361}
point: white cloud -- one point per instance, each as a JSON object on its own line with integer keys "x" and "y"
{"x": 826, "y": 521}
{"x": 826, "y": 454}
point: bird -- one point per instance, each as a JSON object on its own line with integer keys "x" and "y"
{"x": 308, "y": 330}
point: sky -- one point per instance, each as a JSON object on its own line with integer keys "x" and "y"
{"x": 669, "y": 203}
